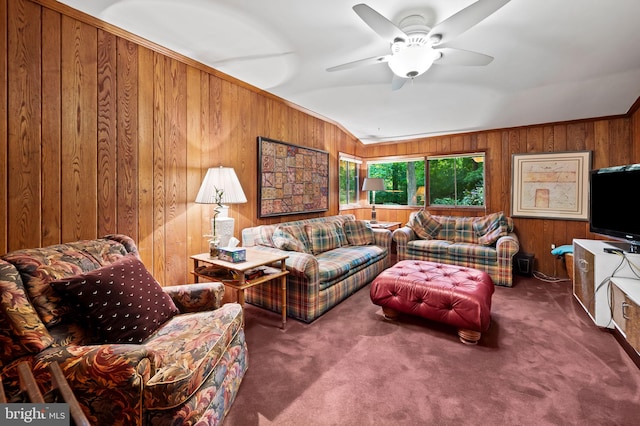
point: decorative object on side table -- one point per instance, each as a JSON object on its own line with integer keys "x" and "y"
{"x": 214, "y": 243}
{"x": 232, "y": 254}
{"x": 372, "y": 185}
{"x": 221, "y": 187}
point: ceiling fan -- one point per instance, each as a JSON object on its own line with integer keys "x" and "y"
{"x": 415, "y": 46}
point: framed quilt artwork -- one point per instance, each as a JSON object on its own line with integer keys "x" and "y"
{"x": 292, "y": 179}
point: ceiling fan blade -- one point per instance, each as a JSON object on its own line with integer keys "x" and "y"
{"x": 378, "y": 23}
{"x": 361, "y": 63}
{"x": 451, "y": 56}
{"x": 397, "y": 82}
{"x": 461, "y": 21}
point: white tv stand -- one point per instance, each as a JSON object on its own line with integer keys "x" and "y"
{"x": 607, "y": 288}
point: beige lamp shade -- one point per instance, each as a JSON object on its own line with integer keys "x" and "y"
{"x": 221, "y": 178}
{"x": 373, "y": 184}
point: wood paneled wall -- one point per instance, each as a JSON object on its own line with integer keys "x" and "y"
{"x": 613, "y": 141}
{"x": 104, "y": 132}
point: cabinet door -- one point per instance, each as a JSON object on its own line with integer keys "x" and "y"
{"x": 618, "y": 310}
{"x": 626, "y": 315}
{"x": 583, "y": 284}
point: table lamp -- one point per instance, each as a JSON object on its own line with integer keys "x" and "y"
{"x": 373, "y": 185}
{"x": 221, "y": 186}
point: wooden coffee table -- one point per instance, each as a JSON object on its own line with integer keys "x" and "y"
{"x": 255, "y": 259}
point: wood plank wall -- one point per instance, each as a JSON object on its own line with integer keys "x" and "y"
{"x": 104, "y": 132}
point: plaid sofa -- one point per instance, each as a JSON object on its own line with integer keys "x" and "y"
{"x": 322, "y": 272}
{"x": 187, "y": 371}
{"x": 456, "y": 240}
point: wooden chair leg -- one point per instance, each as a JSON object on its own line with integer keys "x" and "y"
{"x": 3, "y": 396}
{"x": 60, "y": 389}
{"x": 28, "y": 384}
{"x": 59, "y": 383}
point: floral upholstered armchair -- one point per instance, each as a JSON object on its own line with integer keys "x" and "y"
{"x": 133, "y": 352}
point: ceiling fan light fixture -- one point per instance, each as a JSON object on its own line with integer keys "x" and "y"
{"x": 412, "y": 61}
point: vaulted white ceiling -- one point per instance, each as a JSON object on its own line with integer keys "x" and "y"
{"x": 555, "y": 60}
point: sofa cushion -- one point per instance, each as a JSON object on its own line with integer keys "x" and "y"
{"x": 464, "y": 230}
{"x": 291, "y": 238}
{"x": 491, "y": 227}
{"x": 430, "y": 246}
{"x": 424, "y": 225}
{"x": 359, "y": 233}
{"x": 187, "y": 350}
{"x": 473, "y": 253}
{"x": 21, "y": 331}
{"x": 122, "y": 299}
{"x": 335, "y": 265}
{"x": 323, "y": 236}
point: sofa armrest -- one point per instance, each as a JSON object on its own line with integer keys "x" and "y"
{"x": 298, "y": 264}
{"x": 107, "y": 380}
{"x": 507, "y": 246}
{"x": 402, "y": 236}
{"x": 383, "y": 238}
{"x": 197, "y": 297}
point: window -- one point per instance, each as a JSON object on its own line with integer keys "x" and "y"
{"x": 349, "y": 177}
{"x": 456, "y": 180}
{"x": 403, "y": 179}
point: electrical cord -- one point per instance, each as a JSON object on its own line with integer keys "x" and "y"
{"x": 547, "y": 278}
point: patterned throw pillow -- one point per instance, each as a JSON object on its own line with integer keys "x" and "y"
{"x": 122, "y": 299}
{"x": 340, "y": 229}
{"x": 424, "y": 225}
{"x": 322, "y": 236}
{"x": 291, "y": 238}
{"x": 491, "y": 227}
{"x": 359, "y": 233}
{"x": 265, "y": 236}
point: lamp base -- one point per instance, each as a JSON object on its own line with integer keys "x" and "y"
{"x": 224, "y": 230}
{"x": 373, "y": 215}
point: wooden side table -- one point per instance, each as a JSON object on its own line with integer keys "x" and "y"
{"x": 239, "y": 282}
{"x": 391, "y": 226}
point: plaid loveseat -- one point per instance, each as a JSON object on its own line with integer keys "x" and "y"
{"x": 187, "y": 371}
{"x": 487, "y": 243}
{"x": 324, "y": 268}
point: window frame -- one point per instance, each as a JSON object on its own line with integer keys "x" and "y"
{"x": 397, "y": 159}
{"x": 482, "y": 154}
{"x": 349, "y": 158}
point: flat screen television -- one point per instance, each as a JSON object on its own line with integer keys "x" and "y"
{"x": 613, "y": 192}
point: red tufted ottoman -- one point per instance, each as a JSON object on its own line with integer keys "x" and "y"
{"x": 450, "y": 294}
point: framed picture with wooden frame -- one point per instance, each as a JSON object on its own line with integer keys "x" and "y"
{"x": 292, "y": 179}
{"x": 551, "y": 185}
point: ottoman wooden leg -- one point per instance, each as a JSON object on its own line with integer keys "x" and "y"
{"x": 469, "y": 337}
{"x": 389, "y": 313}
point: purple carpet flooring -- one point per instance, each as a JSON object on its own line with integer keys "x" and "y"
{"x": 542, "y": 362}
